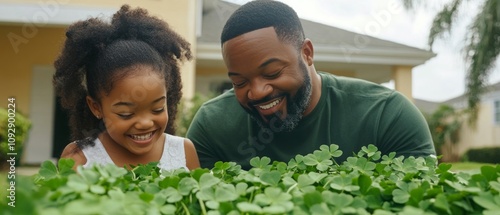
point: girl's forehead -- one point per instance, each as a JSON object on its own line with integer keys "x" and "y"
{"x": 137, "y": 86}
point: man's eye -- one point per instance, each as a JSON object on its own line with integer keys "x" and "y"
{"x": 274, "y": 75}
{"x": 239, "y": 84}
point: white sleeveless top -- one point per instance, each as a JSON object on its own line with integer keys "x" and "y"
{"x": 173, "y": 156}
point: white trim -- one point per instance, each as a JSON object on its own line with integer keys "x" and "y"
{"x": 39, "y": 145}
{"x": 50, "y": 12}
{"x": 335, "y": 54}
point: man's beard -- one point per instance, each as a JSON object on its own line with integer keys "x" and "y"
{"x": 295, "y": 107}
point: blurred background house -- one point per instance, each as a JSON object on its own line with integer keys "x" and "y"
{"x": 482, "y": 134}
{"x": 33, "y": 32}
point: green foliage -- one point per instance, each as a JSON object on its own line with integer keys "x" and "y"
{"x": 187, "y": 110}
{"x": 19, "y": 131}
{"x": 484, "y": 155}
{"x": 367, "y": 183}
{"x": 444, "y": 125}
{"x": 482, "y": 44}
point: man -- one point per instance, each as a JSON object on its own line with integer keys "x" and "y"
{"x": 280, "y": 106}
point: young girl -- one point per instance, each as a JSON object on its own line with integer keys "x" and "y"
{"x": 120, "y": 82}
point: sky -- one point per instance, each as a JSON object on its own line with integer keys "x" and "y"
{"x": 440, "y": 78}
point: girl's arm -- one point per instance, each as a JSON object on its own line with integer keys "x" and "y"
{"x": 72, "y": 151}
{"x": 192, "y": 161}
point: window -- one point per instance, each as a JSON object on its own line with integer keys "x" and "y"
{"x": 497, "y": 112}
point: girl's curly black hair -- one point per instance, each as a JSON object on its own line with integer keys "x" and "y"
{"x": 94, "y": 53}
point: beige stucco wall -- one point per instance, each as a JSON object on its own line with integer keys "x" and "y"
{"x": 16, "y": 67}
{"x": 403, "y": 80}
{"x": 486, "y": 134}
{"x": 40, "y": 46}
{"x": 44, "y": 43}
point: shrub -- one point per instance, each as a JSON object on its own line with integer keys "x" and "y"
{"x": 484, "y": 155}
{"x": 19, "y": 132}
{"x": 366, "y": 183}
{"x": 186, "y": 113}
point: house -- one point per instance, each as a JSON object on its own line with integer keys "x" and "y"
{"x": 486, "y": 132}
{"x": 33, "y": 32}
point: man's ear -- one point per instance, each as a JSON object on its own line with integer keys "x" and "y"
{"x": 94, "y": 107}
{"x": 308, "y": 51}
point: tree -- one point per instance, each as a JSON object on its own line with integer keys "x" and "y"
{"x": 481, "y": 48}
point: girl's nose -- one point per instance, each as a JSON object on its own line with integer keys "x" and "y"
{"x": 144, "y": 124}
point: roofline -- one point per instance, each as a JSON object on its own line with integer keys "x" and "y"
{"x": 211, "y": 51}
{"x": 52, "y": 14}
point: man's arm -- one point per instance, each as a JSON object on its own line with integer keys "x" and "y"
{"x": 403, "y": 129}
{"x": 200, "y": 136}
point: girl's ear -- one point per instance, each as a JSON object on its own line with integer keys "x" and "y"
{"x": 94, "y": 107}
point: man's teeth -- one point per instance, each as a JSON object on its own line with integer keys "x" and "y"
{"x": 142, "y": 137}
{"x": 270, "y": 105}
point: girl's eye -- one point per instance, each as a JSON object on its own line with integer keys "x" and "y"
{"x": 159, "y": 110}
{"x": 124, "y": 115}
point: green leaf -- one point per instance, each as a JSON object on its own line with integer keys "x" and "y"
{"x": 310, "y": 160}
{"x": 66, "y": 166}
{"x": 364, "y": 183}
{"x": 48, "y": 170}
{"x": 271, "y": 178}
{"x": 489, "y": 172}
{"x": 147, "y": 197}
{"x": 77, "y": 183}
{"x": 343, "y": 182}
{"x": 241, "y": 188}
{"x": 97, "y": 189}
{"x": 168, "y": 209}
{"x": 274, "y": 209}
{"x": 260, "y": 162}
{"x": 342, "y": 200}
{"x": 400, "y": 196}
{"x": 317, "y": 177}
{"x": 495, "y": 185}
{"x": 488, "y": 201}
{"x": 172, "y": 181}
{"x": 416, "y": 196}
{"x": 443, "y": 167}
{"x": 442, "y": 203}
{"x": 225, "y": 192}
{"x": 212, "y": 205}
{"x": 304, "y": 180}
{"x": 208, "y": 180}
{"x": 334, "y": 151}
{"x": 246, "y": 207}
{"x": 187, "y": 185}
{"x": 312, "y": 198}
{"x": 320, "y": 209}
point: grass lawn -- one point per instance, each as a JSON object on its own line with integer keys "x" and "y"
{"x": 470, "y": 167}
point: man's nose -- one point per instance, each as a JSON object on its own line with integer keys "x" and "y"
{"x": 259, "y": 90}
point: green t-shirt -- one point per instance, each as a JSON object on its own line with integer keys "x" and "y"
{"x": 351, "y": 113}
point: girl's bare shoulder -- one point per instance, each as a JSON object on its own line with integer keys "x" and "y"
{"x": 74, "y": 152}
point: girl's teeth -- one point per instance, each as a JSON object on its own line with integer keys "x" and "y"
{"x": 142, "y": 137}
{"x": 270, "y": 105}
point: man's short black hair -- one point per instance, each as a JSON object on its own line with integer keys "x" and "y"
{"x": 262, "y": 14}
